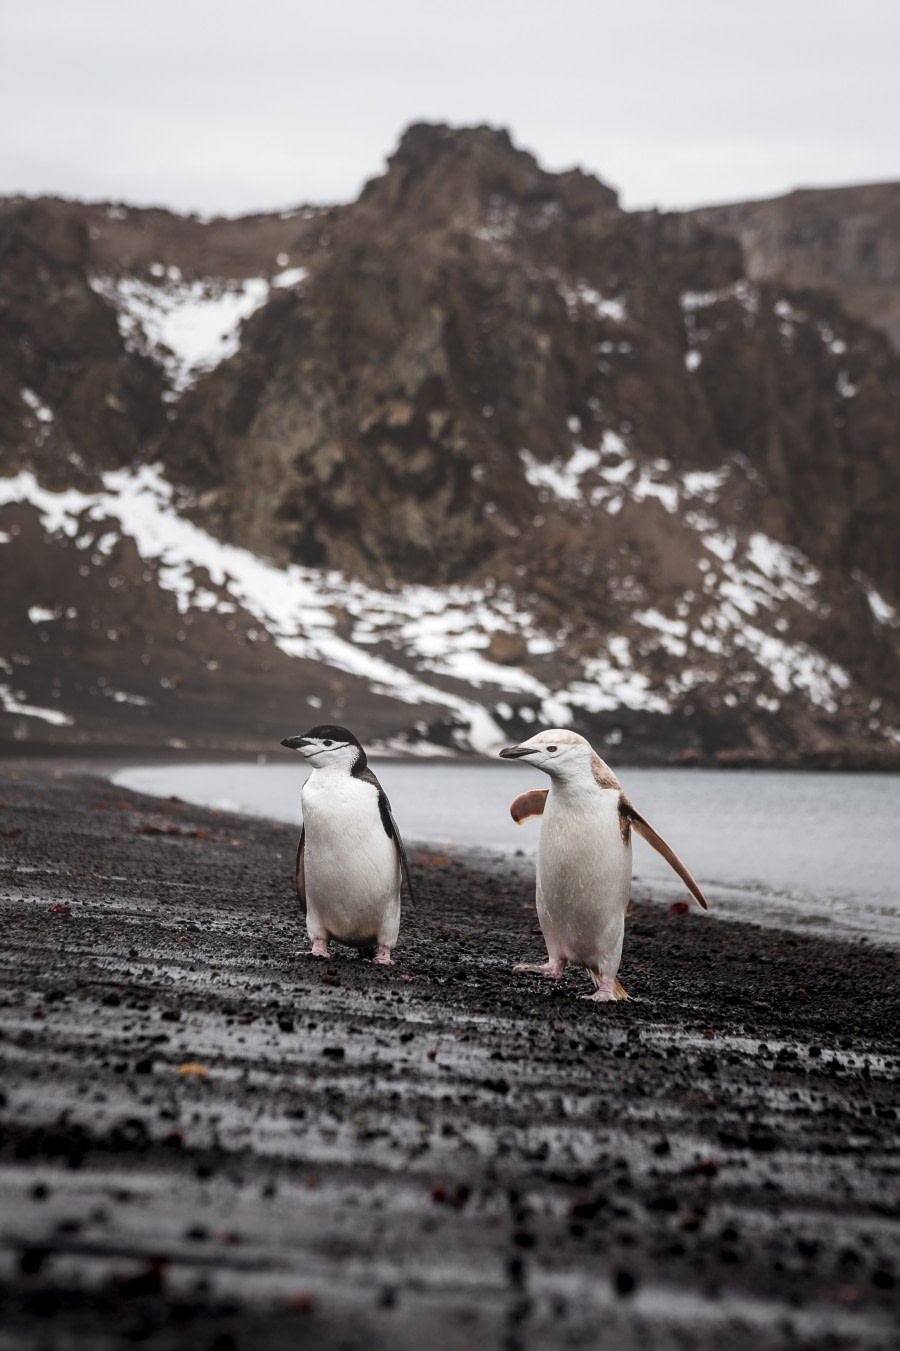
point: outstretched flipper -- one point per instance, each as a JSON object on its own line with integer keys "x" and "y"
{"x": 646, "y": 832}
{"x": 527, "y": 805}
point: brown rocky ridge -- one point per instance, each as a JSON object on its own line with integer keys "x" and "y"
{"x": 476, "y": 451}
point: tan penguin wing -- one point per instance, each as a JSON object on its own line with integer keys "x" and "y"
{"x": 527, "y": 805}
{"x": 646, "y": 832}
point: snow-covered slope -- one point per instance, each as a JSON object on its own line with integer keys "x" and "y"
{"x": 431, "y": 646}
{"x": 476, "y": 452}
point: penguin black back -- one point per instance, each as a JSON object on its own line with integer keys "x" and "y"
{"x": 327, "y": 734}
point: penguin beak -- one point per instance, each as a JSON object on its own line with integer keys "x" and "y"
{"x": 295, "y": 743}
{"x": 516, "y": 752}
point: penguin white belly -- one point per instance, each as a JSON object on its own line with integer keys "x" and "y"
{"x": 351, "y": 865}
{"x": 583, "y": 879}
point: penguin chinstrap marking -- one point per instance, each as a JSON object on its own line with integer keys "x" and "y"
{"x": 351, "y": 859}
{"x": 584, "y": 858}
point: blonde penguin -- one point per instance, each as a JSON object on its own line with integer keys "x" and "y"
{"x": 584, "y": 858}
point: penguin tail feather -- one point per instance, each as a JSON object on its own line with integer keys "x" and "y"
{"x": 621, "y": 992}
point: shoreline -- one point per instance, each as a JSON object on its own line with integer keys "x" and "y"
{"x": 754, "y": 900}
{"x": 437, "y": 1153}
{"x": 75, "y": 754}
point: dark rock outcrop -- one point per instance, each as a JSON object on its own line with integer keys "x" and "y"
{"x": 844, "y": 240}
{"x": 662, "y": 479}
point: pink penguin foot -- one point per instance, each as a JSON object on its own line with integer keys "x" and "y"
{"x": 605, "y": 993}
{"x": 550, "y": 970}
{"x": 320, "y": 947}
{"x": 383, "y": 955}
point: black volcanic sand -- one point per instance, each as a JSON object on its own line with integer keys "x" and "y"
{"x": 210, "y": 1142}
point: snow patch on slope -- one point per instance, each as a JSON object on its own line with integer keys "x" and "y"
{"x": 613, "y": 475}
{"x": 882, "y": 611}
{"x": 584, "y": 296}
{"x": 191, "y": 326}
{"x": 11, "y": 702}
{"x": 296, "y": 605}
{"x": 562, "y": 478}
{"x": 433, "y": 646}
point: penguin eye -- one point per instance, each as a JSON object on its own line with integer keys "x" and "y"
{"x": 552, "y": 749}
{"x": 327, "y": 743}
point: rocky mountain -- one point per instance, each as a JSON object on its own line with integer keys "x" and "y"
{"x": 843, "y": 240}
{"x": 477, "y": 451}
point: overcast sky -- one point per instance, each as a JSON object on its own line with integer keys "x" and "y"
{"x": 228, "y": 106}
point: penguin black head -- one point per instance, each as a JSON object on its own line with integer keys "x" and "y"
{"x": 328, "y": 745}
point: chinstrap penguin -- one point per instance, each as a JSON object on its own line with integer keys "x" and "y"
{"x": 584, "y": 857}
{"x": 350, "y": 860}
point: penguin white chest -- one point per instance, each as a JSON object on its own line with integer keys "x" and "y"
{"x": 351, "y": 864}
{"x": 583, "y": 875}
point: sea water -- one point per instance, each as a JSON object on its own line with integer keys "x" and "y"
{"x": 816, "y": 850}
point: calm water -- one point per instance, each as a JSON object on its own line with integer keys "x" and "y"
{"x": 817, "y": 850}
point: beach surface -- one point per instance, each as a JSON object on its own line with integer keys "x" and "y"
{"x": 211, "y": 1141}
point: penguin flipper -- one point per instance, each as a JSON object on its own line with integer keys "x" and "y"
{"x": 401, "y": 853}
{"x": 528, "y": 804}
{"x": 656, "y": 841}
{"x": 390, "y": 826}
{"x": 300, "y": 871}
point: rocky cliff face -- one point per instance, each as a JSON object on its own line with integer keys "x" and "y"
{"x": 480, "y": 446}
{"x": 842, "y": 240}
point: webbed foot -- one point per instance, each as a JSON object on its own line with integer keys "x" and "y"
{"x": 607, "y": 990}
{"x": 552, "y": 969}
{"x": 320, "y": 948}
{"x": 604, "y": 994}
{"x": 383, "y": 955}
